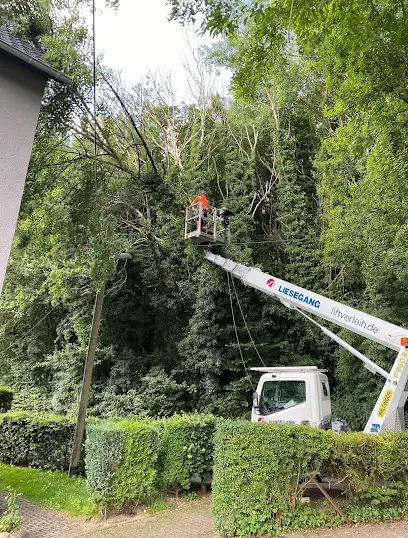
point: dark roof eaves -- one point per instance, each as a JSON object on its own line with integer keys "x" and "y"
{"x": 34, "y": 62}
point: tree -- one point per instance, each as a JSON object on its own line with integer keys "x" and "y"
{"x": 356, "y": 53}
{"x": 299, "y": 153}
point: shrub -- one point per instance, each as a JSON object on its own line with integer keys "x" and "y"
{"x": 121, "y": 463}
{"x": 187, "y": 446}
{"x": 6, "y": 399}
{"x": 257, "y": 470}
{"x": 103, "y": 448}
{"x": 360, "y": 461}
{"x": 36, "y": 440}
{"x": 260, "y": 471}
{"x": 11, "y": 520}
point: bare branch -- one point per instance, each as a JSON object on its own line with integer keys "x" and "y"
{"x": 130, "y": 118}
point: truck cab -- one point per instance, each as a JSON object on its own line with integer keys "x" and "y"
{"x": 292, "y": 395}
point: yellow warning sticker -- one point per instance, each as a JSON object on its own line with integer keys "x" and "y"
{"x": 385, "y": 403}
{"x": 400, "y": 366}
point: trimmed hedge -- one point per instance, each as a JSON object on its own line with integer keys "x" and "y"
{"x": 260, "y": 471}
{"x": 360, "y": 461}
{"x": 256, "y": 473}
{"x": 36, "y": 440}
{"x": 127, "y": 462}
{"x": 130, "y": 462}
{"x": 187, "y": 447}
{"x": 121, "y": 463}
{"x": 6, "y": 399}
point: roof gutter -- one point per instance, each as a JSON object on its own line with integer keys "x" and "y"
{"x": 41, "y": 66}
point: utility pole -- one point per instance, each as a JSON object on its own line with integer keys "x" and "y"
{"x": 89, "y": 362}
{"x": 86, "y": 382}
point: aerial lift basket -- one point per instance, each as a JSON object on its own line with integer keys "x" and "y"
{"x": 207, "y": 227}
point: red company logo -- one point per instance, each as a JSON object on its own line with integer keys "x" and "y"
{"x": 270, "y": 282}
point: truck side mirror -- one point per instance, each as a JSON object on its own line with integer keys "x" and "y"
{"x": 255, "y": 400}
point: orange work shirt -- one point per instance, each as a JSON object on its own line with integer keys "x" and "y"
{"x": 203, "y": 199}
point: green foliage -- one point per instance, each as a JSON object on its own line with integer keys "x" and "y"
{"x": 11, "y": 519}
{"x": 369, "y": 513}
{"x": 103, "y": 446}
{"x": 134, "y": 480}
{"x": 362, "y": 460}
{"x": 121, "y": 463}
{"x": 260, "y": 472}
{"x": 51, "y": 489}
{"x": 257, "y": 469}
{"x": 159, "y": 505}
{"x": 167, "y": 341}
{"x": 6, "y": 399}
{"x": 131, "y": 462}
{"x": 381, "y": 502}
{"x": 36, "y": 440}
{"x": 351, "y": 107}
{"x": 160, "y": 395}
{"x": 385, "y": 495}
{"x": 186, "y": 450}
{"x": 310, "y": 153}
{"x": 306, "y": 516}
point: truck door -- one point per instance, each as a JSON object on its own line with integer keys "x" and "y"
{"x": 325, "y": 402}
{"x": 284, "y": 400}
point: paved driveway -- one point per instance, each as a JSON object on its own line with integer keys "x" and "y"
{"x": 40, "y": 522}
{"x": 191, "y": 520}
{"x": 398, "y": 529}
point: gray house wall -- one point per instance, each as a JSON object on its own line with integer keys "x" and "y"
{"x": 21, "y": 91}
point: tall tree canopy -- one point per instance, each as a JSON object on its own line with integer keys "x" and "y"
{"x": 310, "y": 153}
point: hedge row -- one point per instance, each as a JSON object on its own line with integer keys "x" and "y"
{"x": 260, "y": 472}
{"x": 35, "y": 440}
{"x": 186, "y": 450}
{"x": 129, "y": 462}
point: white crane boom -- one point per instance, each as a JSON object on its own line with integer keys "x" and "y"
{"x": 292, "y": 296}
{"x": 388, "y": 413}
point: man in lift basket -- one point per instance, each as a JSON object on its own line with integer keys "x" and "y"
{"x": 203, "y": 200}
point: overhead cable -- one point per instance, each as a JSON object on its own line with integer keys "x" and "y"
{"x": 236, "y": 333}
{"x": 29, "y": 330}
{"x": 246, "y": 325}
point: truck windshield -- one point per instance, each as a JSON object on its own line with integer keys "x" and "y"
{"x": 279, "y": 395}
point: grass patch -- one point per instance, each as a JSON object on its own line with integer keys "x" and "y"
{"x": 49, "y": 488}
{"x": 159, "y": 505}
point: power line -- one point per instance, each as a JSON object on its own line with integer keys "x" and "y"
{"x": 29, "y": 330}
{"x": 281, "y": 241}
{"x": 246, "y": 325}
{"x": 236, "y": 333}
{"x": 261, "y": 242}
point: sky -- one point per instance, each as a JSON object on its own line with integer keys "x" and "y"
{"x": 137, "y": 38}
